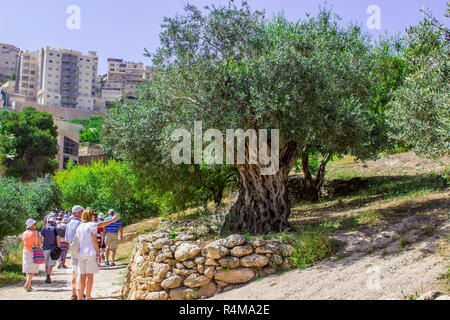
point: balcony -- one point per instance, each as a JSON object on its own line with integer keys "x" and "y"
{"x": 69, "y": 87}
{"x": 74, "y": 82}
{"x": 69, "y": 73}
{"x": 69, "y": 66}
{"x": 69, "y": 101}
{"x": 69, "y": 58}
{"x": 69, "y": 93}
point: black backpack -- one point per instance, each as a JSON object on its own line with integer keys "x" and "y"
{"x": 55, "y": 253}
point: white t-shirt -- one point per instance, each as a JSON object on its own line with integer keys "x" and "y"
{"x": 84, "y": 234}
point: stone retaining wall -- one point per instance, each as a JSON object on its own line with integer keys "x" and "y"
{"x": 184, "y": 268}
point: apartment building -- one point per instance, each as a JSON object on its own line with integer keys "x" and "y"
{"x": 27, "y": 78}
{"x": 9, "y": 57}
{"x": 67, "y": 78}
{"x": 122, "y": 80}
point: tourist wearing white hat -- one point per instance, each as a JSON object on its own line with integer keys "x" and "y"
{"x": 101, "y": 236}
{"x": 30, "y": 239}
{"x": 51, "y": 240}
{"x": 71, "y": 231}
{"x": 48, "y": 216}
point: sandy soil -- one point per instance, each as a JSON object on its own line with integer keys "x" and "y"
{"x": 375, "y": 266}
{"x": 107, "y": 285}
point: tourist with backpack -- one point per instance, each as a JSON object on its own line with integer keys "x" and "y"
{"x": 51, "y": 241}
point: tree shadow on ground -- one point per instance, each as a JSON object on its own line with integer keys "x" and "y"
{"x": 414, "y": 222}
{"x": 378, "y": 188}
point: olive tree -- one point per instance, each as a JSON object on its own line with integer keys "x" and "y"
{"x": 419, "y": 114}
{"x": 232, "y": 69}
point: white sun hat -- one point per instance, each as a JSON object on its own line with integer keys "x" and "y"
{"x": 30, "y": 223}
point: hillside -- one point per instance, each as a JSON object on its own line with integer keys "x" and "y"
{"x": 390, "y": 239}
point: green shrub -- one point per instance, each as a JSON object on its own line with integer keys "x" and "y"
{"x": 311, "y": 244}
{"x": 21, "y": 201}
{"x": 105, "y": 186}
{"x": 11, "y": 261}
{"x": 13, "y": 210}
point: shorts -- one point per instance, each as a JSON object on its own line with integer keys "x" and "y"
{"x": 111, "y": 240}
{"x": 27, "y": 264}
{"x": 87, "y": 264}
{"x": 48, "y": 260}
{"x": 74, "y": 265}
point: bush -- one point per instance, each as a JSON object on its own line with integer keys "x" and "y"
{"x": 311, "y": 244}
{"x": 104, "y": 186}
{"x": 13, "y": 211}
{"x": 21, "y": 201}
{"x": 11, "y": 261}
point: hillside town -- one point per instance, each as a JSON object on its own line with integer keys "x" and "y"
{"x": 66, "y": 83}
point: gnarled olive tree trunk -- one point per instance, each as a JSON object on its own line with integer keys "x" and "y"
{"x": 262, "y": 205}
{"x": 311, "y": 187}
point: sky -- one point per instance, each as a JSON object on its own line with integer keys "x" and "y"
{"x": 122, "y": 29}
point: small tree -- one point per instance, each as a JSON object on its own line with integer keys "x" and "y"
{"x": 419, "y": 115}
{"x": 32, "y": 135}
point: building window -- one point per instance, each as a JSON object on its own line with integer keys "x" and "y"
{"x": 70, "y": 147}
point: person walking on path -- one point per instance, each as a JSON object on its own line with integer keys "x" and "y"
{"x": 51, "y": 240}
{"x": 89, "y": 252}
{"x": 30, "y": 239}
{"x": 48, "y": 216}
{"x": 101, "y": 236}
{"x": 61, "y": 230}
{"x": 71, "y": 230}
{"x": 112, "y": 238}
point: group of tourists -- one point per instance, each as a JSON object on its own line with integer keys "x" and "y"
{"x": 90, "y": 238}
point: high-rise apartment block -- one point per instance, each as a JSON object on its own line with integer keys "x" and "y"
{"x": 67, "y": 78}
{"x": 9, "y": 56}
{"x": 27, "y": 79}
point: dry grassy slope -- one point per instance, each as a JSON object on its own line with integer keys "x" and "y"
{"x": 397, "y": 236}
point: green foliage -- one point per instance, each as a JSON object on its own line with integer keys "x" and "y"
{"x": 313, "y": 163}
{"x": 231, "y": 68}
{"x": 32, "y": 136}
{"x": 91, "y": 128}
{"x": 310, "y": 245}
{"x": 419, "y": 114}
{"x": 10, "y": 261}
{"x": 180, "y": 187}
{"x": 105, "y": 186}
{"x": 21, "y": 201}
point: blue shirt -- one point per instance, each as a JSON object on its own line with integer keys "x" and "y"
{"x": 71, "y": 229}
{"x": 113, "y": 227}
{"x": 49, "y": 234}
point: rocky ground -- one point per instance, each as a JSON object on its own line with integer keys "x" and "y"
{"x": 380, "y": 265}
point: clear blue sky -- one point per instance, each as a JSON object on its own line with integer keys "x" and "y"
{"x": 122, "y": 29}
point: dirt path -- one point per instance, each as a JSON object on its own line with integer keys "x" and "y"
{"x": 107, "y": 285}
